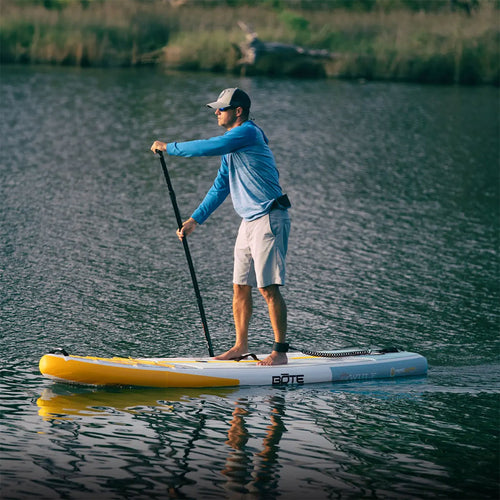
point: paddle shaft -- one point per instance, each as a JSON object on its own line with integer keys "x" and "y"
{"x": 188, "y": 254}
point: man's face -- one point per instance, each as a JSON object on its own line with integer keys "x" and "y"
{"x": 227, "y": 117}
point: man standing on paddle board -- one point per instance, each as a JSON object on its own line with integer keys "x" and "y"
{"x": 248, "y": 172}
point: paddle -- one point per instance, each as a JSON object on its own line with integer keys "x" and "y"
{"x": 188, "y": 254}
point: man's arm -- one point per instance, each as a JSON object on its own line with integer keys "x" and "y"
{"x": 215, "y": 196}
{"x": 231, "y": 141}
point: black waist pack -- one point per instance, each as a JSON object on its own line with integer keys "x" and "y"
{"x": 282, "y": 203}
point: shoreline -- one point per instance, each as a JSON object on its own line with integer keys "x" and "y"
{"x": 435, "y": 46}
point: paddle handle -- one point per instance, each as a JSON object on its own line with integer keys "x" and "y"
{"x": 188, "y": 254}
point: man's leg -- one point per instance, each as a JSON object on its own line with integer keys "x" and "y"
{"x": 242, "y": 311}
{"x": 277, "y": 315}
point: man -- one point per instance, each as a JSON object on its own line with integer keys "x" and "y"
{"x": 248, "y": 172}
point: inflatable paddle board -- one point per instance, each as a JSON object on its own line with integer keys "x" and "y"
{"x": 303, "y": 368}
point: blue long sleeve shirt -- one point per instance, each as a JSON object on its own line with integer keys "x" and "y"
{"x": 248, "y": 171}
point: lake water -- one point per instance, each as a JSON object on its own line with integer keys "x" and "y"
{"x": 395, "y": 241}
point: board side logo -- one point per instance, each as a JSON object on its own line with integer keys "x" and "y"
{"x": 286, "y": 379}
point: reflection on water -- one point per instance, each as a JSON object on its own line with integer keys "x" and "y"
{"x": 234, "y": 443}
{"x": 245, "y": 471}
{"x": 56, "y": 400}
{"x": 394, "y": 241}
{"x": 259, "y": 473}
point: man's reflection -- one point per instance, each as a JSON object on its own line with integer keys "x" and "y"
{"x": 260, "y": 475}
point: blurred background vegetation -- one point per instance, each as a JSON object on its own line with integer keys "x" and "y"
{"x": 434, "y": 41}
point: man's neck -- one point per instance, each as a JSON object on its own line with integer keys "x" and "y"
{"x": 237, "y": 123}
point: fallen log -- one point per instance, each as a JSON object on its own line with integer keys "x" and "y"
{"x": 274, "y": 58}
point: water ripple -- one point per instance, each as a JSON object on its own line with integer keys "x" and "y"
{"x": 394, "y": 242}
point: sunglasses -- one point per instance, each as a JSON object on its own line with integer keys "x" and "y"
{"x": 227, "y": 108}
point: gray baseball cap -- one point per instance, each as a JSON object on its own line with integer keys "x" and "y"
{"x": 231, "y": 97}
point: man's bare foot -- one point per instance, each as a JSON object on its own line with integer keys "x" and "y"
{"x": 275, "y": 358}
{"x": 234, "y": 352}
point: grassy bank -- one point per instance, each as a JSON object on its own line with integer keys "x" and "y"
{"x": 386, "y": 41}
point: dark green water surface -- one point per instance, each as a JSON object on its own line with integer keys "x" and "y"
{"x": 395, "y": 241}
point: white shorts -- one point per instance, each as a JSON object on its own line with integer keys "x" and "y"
{"x": 260, "y": 250}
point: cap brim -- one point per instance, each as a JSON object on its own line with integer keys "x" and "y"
{"x": 217, "y": 105}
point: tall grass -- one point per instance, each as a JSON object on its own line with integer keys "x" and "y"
{"x": 106, "y": 33}
{"x": 440, "y": 45}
